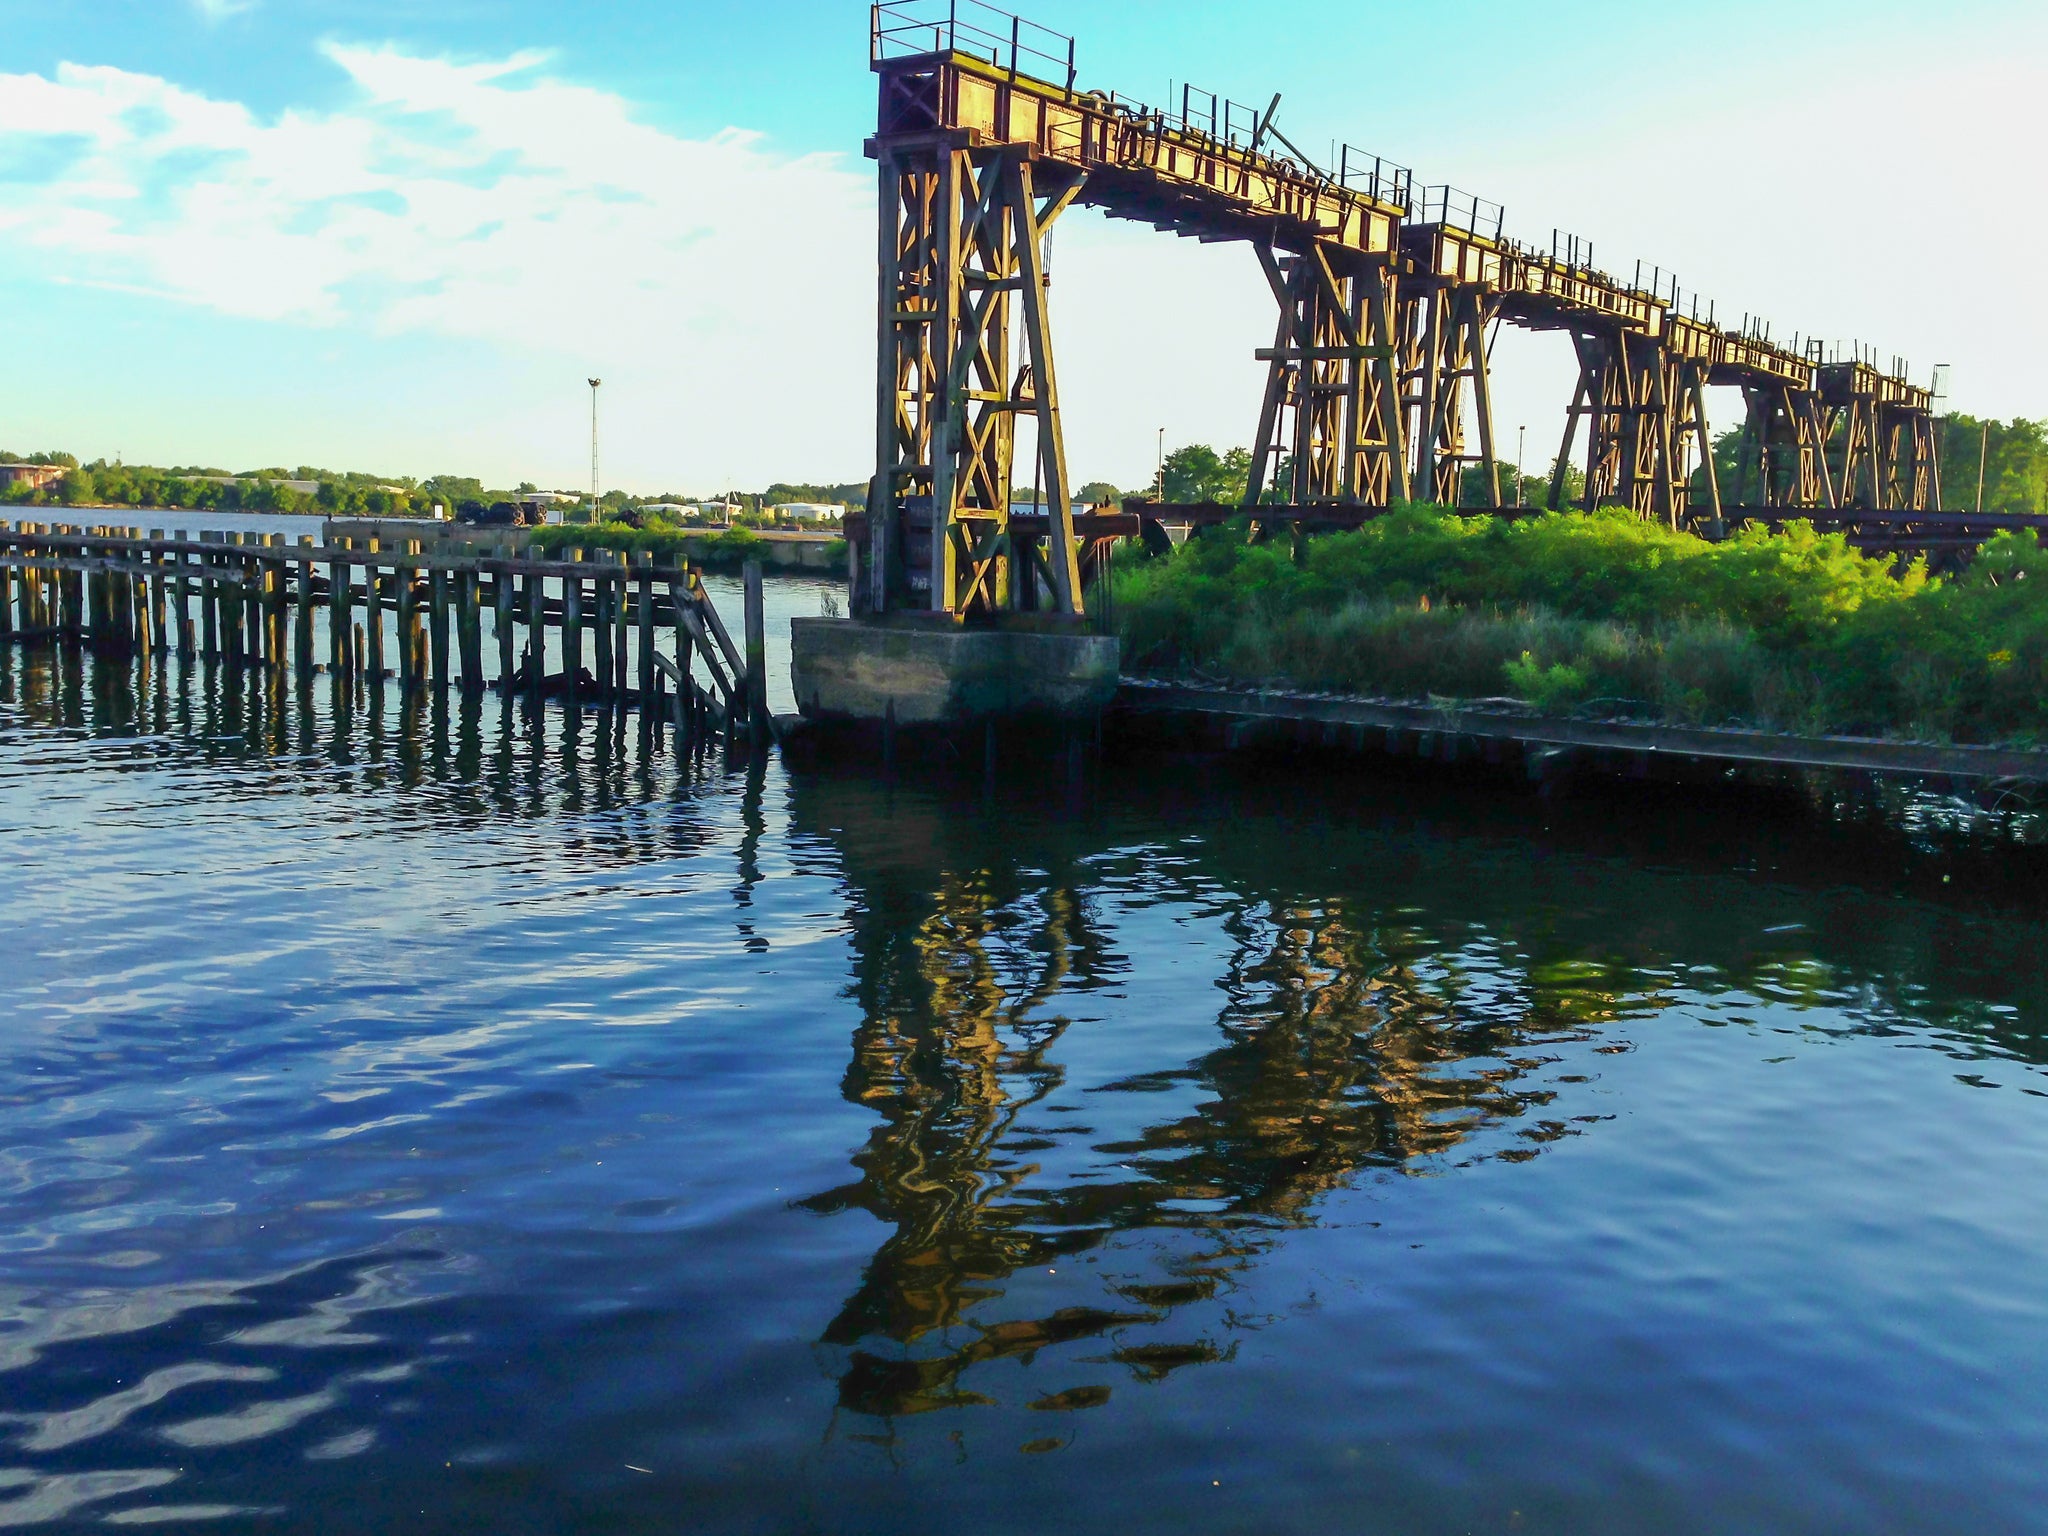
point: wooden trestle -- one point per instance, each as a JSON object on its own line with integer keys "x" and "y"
{"x": 1388, "y": 298}
{"x": 421, "y": 618}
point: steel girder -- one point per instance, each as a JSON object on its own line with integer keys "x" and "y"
{"x": 1444, "y": 360}
{"x": 1784, "y": 448}
{"x": 1331, "y": 409}
{"x": 1646, "y": 418}
{"x": 962, "y": 236}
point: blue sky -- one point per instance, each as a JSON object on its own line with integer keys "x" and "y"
{"x": 399, "y": 236}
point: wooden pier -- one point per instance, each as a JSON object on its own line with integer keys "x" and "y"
{"x": 594, "y": 629}
{"x": 1500, "y": 733}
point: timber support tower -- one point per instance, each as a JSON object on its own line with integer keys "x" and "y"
{"x": 1388, "y": 298}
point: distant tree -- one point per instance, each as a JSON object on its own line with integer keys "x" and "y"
{"x": 2015, "y": 460}
{"x": 1534, "y": 492}
{"x": 451, "y": 489}
{"x": 1099, "y": 493}
{"x": 1574, "y": 488}
{"x": 1197, "y": 472}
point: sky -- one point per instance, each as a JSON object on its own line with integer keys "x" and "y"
{"x": 398, "y": 235}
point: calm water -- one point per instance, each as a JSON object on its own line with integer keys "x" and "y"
{"x": 443, "y": 1121}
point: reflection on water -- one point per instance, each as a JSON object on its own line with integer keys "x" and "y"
{"x": 431, "y": 1113}
{"x": 1339, "y": 1049}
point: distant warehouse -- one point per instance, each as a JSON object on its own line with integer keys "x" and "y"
{"x": 36, "y": 477}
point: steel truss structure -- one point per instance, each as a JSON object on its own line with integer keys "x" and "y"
{"x": 1377, "y": 389}
{"x": 962, "y": 253}
{"x": 1330, "y": 411}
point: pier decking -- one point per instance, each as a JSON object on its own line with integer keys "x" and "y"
{"x": 255, "y": 601}
{"x": 1499, "y": 733}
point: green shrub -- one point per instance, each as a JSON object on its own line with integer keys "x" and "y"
{"x": 666, "y": 542}
{"x": 1602, "y": 611}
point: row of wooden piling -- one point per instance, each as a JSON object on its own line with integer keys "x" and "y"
{"x": 255, "y": 600}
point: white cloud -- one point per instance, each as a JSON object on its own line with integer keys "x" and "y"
{"x": 483, "y": 201}
{"x": 469, "y": 199}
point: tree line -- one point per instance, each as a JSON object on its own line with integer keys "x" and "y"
{"x": 2013, "y": 456}
{"x": 1197, "y": 472}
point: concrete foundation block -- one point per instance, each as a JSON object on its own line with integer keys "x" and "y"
{"x": 861, "y": 670}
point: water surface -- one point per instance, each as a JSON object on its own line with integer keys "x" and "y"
{"x": 440, "y": 1117}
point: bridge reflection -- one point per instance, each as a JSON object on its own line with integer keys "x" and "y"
{"x": 1336, "y": 1053}
{"x": 1401, "y": 989}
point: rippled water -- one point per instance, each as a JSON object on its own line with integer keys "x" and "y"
{"x": 452, "y": 1120}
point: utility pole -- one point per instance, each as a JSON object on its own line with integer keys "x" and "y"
{"x": 593, "y": 448}
{"x": 1983, "y": 448}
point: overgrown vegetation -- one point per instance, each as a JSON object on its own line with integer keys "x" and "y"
{"x": 1603, "y": 613}
{"x": 664, "y": 540}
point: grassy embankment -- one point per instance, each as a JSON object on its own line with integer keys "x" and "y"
{"x": 667, "y": 542}
{"x": 1601, "y": 614}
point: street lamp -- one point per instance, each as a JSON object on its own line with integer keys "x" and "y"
{"x": 1521, "y": 441}
{"x": 1159, "y": 470}
{"x": 593, "y": 448}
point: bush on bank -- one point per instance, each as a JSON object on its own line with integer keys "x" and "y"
{"x": 1603, "y": 613}
{"x": 666, "y": 542}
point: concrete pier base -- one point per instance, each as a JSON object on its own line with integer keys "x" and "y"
{"x": 883, "y": 671}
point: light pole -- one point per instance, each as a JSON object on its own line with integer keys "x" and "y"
{"x": 1521, "y": 442}
{"x": 1159, "y": 470}
{"x": 1983, "y": 451}
{"x": 593, "y": 448}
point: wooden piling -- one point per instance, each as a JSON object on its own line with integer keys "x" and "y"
{"x": 209, "y": 610}
{"x": 139, "y": 628}
{"x": 33, "y": 597}
{"x": 181, "y": 625}
{"x": 373, "y": 612}
{"x": 501, "y": 594}
{"x": 621, "y": 651}
{"x": 227, "y": 601}
{"x": 471, "y": 631}
{"x": 338, "y": 580}
{"x": 572, "y": 632}
{"x": 758, "y": 724}
{"x": 534, "y": 592}
{"x": 416, "y": 639}
{"x": 437, "y": 623}
{"x": 643, "y": 602}
{"x": 159, "y": 627}
{"x": 402, "y": 578}
{"x": 257, "y": 594}
{"x": 601, "y": 622}
{"x": 302, "y": 615}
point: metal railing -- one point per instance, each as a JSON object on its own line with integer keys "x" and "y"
{"x": 917, "y": 28}
{"x": 1568, "y": 250}
{"x": 1461, "y": 210}
{"x": 1377, "y": 178}
{"x": 909, "y": 28}
{"x": 1661, "y": 285}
